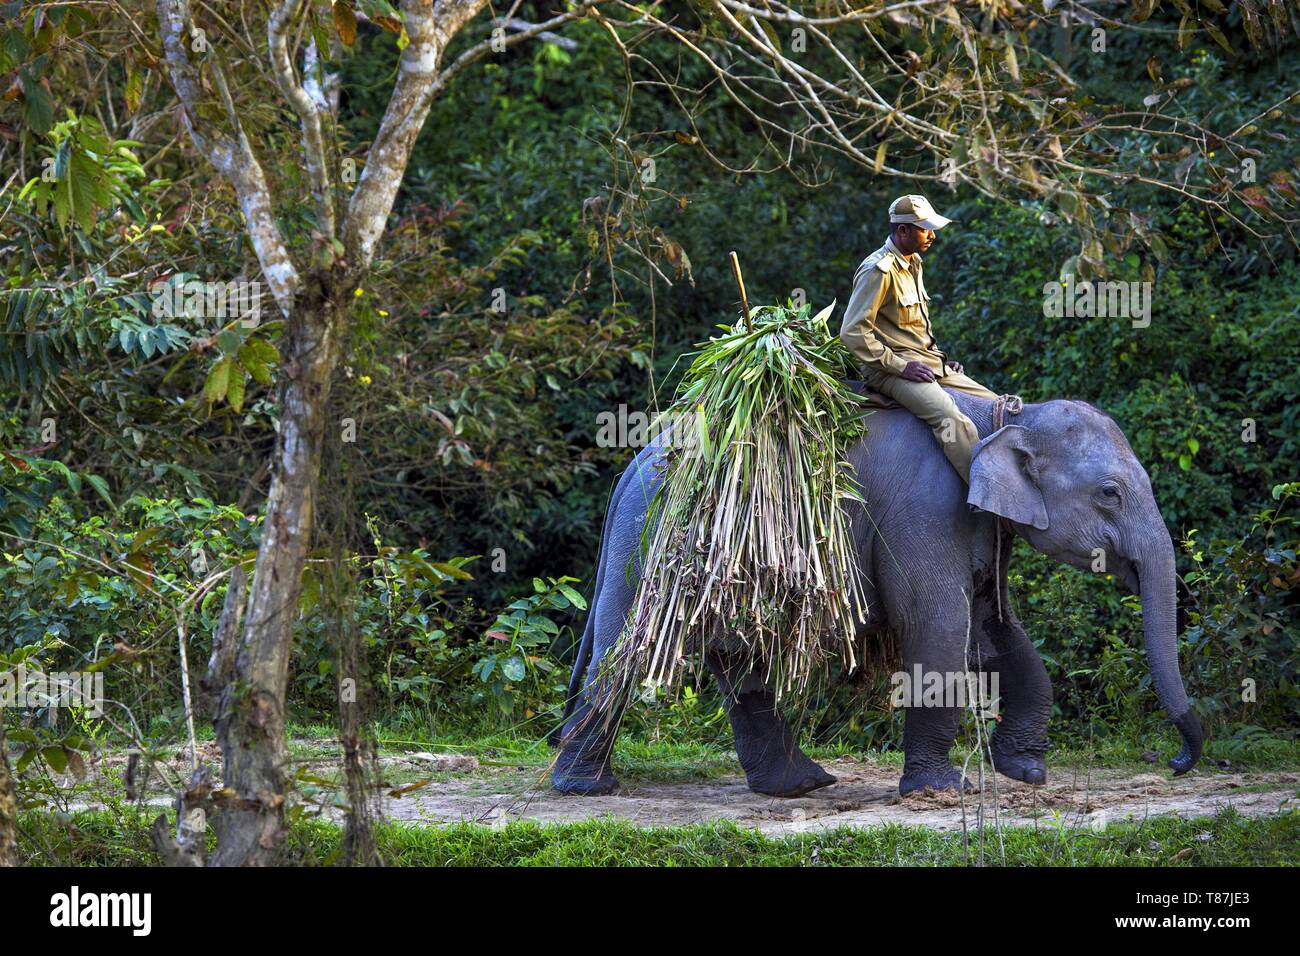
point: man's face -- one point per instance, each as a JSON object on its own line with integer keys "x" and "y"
{"x": 912, "y": 240}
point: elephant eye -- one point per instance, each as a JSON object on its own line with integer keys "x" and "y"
{"x": 1110, "y": 493}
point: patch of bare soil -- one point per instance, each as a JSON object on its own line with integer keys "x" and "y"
{"x": 866, "y": 795}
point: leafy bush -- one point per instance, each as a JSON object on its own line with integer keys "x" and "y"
{"x": 512, "y": 664}
{"x": 1242, "y": 642}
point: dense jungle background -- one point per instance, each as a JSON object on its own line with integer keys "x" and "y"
{"x": 467, "y": 503}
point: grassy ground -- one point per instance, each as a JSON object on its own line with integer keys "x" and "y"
{"x": 118, "y": 835}
{"x": 105, "y": 838}
{"x": 695, "y": 759}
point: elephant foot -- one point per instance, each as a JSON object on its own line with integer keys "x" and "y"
{"x": 582, "y": 766}
{"x": 1027, "y": 768}
{"x": 588, "y": 785}
{"x": 791, "y": 778}
{"x": 948, "y": 779}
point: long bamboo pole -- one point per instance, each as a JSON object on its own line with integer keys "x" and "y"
{"x": 740, "y": 284}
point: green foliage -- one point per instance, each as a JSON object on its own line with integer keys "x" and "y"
{"x": 85, "y": 172}
{"x": 1243, "y": 630}
{"x": 101, "y": 592}
{"x": 476, "y": 427}
{"x": 44, "y": 749}
{"x": 512, "y": 666}
{"x": 690, "y": 715}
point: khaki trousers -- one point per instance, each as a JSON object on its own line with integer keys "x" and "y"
{"x": 929, "y": 402}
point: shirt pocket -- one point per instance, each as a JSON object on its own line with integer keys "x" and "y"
{"x": 909, "y": 309}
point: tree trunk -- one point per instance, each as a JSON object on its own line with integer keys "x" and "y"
{"x": 250, "y": 725}
{"x": 8, "y": 805}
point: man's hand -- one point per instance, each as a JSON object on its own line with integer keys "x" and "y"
{"x": 918, "y": 372}
{"x": 956, "y": 367}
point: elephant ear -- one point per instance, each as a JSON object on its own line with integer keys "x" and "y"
{"x": 1004, "y": 478}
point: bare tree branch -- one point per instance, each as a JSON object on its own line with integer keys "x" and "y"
{"x": 233, "y": 157}
{"x": 309, "y": 112}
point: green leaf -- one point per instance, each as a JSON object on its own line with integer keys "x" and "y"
{"x": 82, "y": 175}
{"x": 235, "y": 389}
{"x": 27, "y": 757}
{"x": 452, "y": 571}
{"x": 1218, "y": 36}
{"x": 72, "y": 479}
{"x": 252, "y": 360}
{"x": 56, "y": 758}
{"x": 101, "y": 487}
{"x": 214, "y": 389}
{"x": 134, "y": 88}
{"x": 576, "y": 598}
{"x": 514, "y": 668}
{"x": 62, "y": 203}
{"x": 38, "y": 108}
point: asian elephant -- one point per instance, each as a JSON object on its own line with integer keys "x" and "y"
{"x": 1063, "y": 476}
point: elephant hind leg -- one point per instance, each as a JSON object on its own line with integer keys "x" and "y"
{"x": 586, "y": 743}
{"x": 582, "y": 765}
{"x": 768, "y": 751}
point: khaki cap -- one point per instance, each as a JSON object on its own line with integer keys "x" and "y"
{"x": 916, "y": 210}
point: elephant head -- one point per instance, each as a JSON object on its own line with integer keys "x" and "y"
{"x": 1070, "y": 484}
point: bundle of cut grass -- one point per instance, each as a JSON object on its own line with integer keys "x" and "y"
{"x": 746, "y": 547}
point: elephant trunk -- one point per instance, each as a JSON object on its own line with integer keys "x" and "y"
{"x": 1156, "y": 579}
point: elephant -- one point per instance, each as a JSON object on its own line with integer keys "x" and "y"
{"x": 1060, "y": 474}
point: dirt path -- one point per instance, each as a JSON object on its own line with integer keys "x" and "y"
{"x": 434, "y": 789}
{"x": 865, "y": 795}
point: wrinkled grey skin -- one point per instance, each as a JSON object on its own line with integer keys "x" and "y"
{"x": 1064, "y": 477}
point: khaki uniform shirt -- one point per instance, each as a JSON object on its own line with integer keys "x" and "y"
{"x": 887, "y": 321}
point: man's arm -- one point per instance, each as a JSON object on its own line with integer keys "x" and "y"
{"x": 858, "y": 332}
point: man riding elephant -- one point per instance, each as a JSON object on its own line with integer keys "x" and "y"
{"x": 887, "y": 328}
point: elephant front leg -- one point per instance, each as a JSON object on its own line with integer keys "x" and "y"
{"x": 765, "y": 745}
{"x": 928, "y": 736}
{"x": 933, "y": 658}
